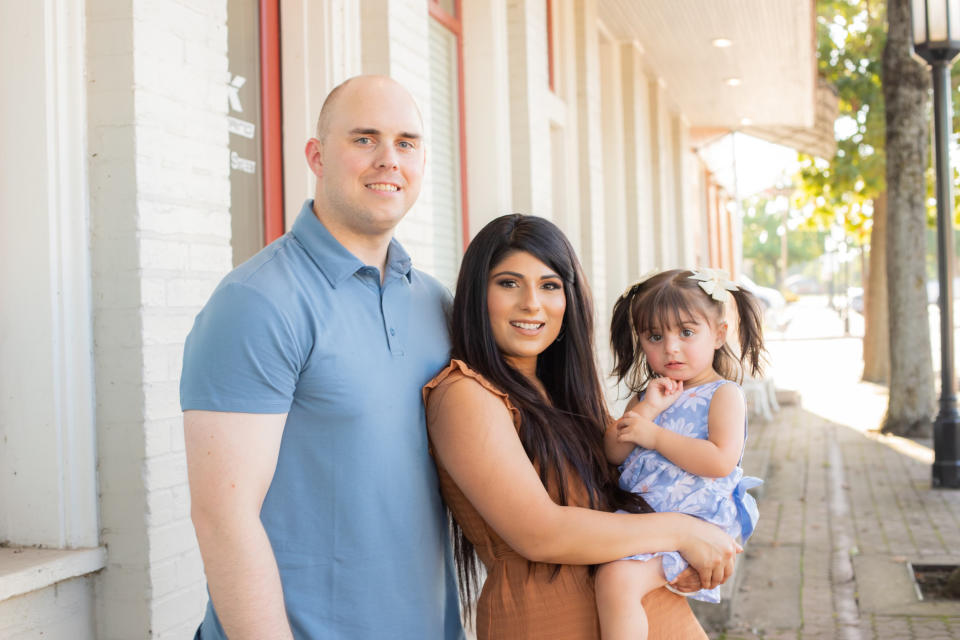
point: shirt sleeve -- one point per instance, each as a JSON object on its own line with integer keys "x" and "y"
{"x": 241, "y": 355}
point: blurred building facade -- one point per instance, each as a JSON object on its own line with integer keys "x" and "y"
{"x": 150, "y": 145}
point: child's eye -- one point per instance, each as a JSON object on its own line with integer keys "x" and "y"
{"x": 686, "y": 333}
{"x": 654, "y": 337}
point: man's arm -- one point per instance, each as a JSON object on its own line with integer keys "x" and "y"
{"x": 231, "y": 458}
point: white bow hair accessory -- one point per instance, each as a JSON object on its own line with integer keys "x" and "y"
{"x": 640, "y": 281}
{"x": 716, "y": 282}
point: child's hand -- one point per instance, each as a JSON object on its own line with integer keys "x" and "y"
{"x": 660, "y": 394}
{"x": 635, "y": 428}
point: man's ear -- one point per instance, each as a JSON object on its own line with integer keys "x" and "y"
{"x": 314, "y": 154}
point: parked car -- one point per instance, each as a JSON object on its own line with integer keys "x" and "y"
{"x": 772, "y": 302}
{"x": 855, "y": 297}
{"x": 801, "y": 285}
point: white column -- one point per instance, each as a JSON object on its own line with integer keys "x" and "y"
{"x": 47, "y": 450}
{"x": 590, "y": 149}
{"x": 529, "y": 125}
{"x": 685, "y": 225}
{"x": 661, "y": 163}
{"x": 637, "y": 161}
{"x": 486, "y": 111}
{"x": 614, "y": 211}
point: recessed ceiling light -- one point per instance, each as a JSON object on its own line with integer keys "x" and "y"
{"x": 746, "y": 121}
{"x": 733, "y": 82}
{"x": 721, "y": 43}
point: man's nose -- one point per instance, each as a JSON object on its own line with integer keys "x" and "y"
{"x": 387, "y": 157}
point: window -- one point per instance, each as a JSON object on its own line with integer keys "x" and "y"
{"x": 256, "y": 171}
{"x": 447, "y": 138}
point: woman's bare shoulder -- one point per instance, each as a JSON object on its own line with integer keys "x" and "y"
{"x": 464, "y": 399}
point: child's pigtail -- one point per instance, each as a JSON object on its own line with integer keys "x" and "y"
{"x": 623, "y": 339}
{"x": 750, "y": 328}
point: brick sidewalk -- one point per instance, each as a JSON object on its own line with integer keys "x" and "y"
{"x": 842, "y": 512}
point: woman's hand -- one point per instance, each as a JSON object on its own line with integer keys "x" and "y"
{"x": 709, "y": 551}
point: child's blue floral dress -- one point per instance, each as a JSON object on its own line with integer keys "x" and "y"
{"x": 666, "y": 487}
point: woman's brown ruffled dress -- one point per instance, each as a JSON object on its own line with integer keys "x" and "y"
{"x": 523, "y": 600}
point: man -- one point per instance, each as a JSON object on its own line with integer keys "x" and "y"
{"x": 313, "y": 495}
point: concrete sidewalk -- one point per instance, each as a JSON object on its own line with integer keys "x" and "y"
{"x": 843, "y": 511}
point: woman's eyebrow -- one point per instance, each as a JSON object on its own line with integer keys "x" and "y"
{"x": 547, "y": 276}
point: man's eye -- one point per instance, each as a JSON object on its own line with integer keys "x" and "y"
{"x": 363, "y": 140}
{"x": 404, "y": 144}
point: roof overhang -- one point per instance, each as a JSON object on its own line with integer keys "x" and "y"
{"x": 764, "y": 83}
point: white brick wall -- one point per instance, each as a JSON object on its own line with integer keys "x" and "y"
{"x": 60, "y": 612}
{"x": 161, "y": 196}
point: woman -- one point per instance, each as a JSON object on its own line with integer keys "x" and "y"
{"x": 516, "y": 425}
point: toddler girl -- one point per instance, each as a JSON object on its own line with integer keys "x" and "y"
{"x": 680, "y": 441}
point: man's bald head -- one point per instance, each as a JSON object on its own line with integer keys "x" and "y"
{"x": 368, "y": 158}
{"x": 356, "y": 82}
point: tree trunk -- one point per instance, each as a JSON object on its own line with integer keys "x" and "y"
{"x": 906, "y": 86}
{"x": 876, "y": 345}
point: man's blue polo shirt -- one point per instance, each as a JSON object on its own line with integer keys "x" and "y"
{"x": 353, "y": 511}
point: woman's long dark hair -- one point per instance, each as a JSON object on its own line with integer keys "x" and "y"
{"x": 666, "y": 299}
{"x": 567, "y": 437}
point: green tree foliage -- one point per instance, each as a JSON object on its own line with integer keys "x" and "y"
{"x": 850, "y": 39}
{"x": 763, "y": 229}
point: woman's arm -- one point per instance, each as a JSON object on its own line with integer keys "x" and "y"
{"x": 475, "y": 440}
{"x": 715, "y": 457}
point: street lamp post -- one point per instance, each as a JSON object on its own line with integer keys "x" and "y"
{"x": 936, "y": 39}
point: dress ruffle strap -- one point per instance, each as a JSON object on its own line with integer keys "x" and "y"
{"x": 747, "y": 511}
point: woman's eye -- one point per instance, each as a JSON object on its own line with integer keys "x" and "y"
{"x": 507, "y": 283}
{"x": 552, "y": 286}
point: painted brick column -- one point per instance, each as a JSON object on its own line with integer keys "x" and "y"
{"x": 590, "y": 150}
{"x": 529, "y": 126}
{"x": 487, "y": 98}
{"x": 639, "y": 176}
{"x": 160, "y": 199}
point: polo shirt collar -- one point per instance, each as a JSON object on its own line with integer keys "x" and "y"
{"x": 332, "y": 258}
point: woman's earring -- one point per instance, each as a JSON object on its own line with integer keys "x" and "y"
{"x": 560, "y": 335}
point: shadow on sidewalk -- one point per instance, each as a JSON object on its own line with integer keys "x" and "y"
{"x": 842, "y": 512}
